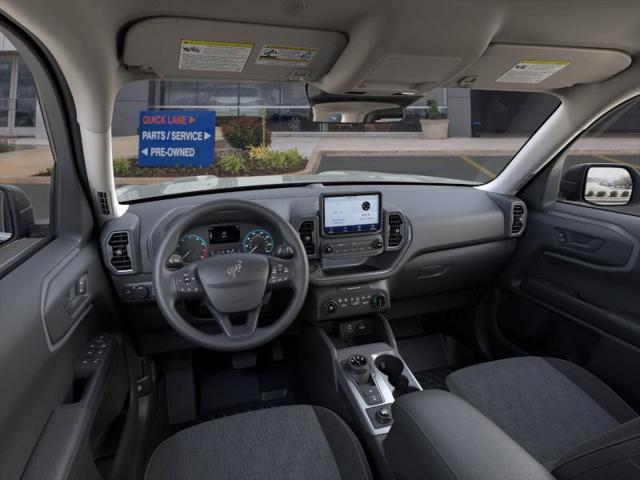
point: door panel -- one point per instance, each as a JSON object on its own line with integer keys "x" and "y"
{"x": 572, "y": 291}
{"x": 62, "y": 385}
{"x": 40, "y": 370}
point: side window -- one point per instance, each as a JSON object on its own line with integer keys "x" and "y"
{"x": 602, "y": 168}
{"x": 26, "y": 160}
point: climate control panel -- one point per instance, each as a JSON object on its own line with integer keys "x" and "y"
{"x": 354, "y": 300}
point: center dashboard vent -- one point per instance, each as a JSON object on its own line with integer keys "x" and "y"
{"x": 119, "y": 252}
{"x": 396, "y": 230}
{"x": 518, "y": 218}
{"x": 308, "y": 233}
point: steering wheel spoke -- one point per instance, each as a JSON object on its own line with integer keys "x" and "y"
{"x": 280, "y": 273}
{"x": 235, "y": 329}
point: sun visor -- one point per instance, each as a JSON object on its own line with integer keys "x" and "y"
{"x": 526, "y": 67}
{"x": 175, "y": 48}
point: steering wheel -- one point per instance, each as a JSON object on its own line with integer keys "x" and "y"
{"x": 232, "y": 285}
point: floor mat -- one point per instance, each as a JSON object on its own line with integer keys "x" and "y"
{"x": 435, "y": 377}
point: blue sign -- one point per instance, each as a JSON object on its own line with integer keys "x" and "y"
{"x": 176, "y": 138}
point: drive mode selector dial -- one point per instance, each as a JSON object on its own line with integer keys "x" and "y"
{"x": 358, "y": 366}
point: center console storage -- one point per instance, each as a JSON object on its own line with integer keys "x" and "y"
{"x": 439, "y": 435}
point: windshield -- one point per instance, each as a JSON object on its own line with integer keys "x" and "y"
{"x": 175, "y": 137}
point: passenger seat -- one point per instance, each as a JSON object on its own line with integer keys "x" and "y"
{"x": 564, "y": 416}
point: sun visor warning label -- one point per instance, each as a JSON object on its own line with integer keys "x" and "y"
{"x": 532, "y": 71}
{"x": 176, "y": 138}
{"x": 213, "y": 56}
{"x": 285, "y": 55}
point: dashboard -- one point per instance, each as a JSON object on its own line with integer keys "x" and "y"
{"x": 398, "y": 249}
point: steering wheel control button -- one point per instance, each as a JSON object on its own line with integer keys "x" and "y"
{"x": 280, "y": 274}
{"x": 187, "y": 284}
{"x": 383, "y": 415}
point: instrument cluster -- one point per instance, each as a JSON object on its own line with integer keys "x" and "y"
{"x": 208, "y": 241}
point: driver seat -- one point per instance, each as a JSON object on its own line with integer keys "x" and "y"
{"x": 291, "y": 442}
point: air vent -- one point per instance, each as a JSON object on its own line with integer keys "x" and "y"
{"x": 103, "y": 203}
{"x": 307, "y": 231}
{"x": 395, "y": 230}
{"x": 518, "y": 218}
{"x": 119, "y": 252}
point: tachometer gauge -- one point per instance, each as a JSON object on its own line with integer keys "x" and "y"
{"x": 258, "y": 241}
{"x": 191, "y": 248}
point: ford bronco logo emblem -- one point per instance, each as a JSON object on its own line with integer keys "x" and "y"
{"x": 234, "y": 270}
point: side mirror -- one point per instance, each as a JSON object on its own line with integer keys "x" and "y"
{"x": 599, "y": 184}
{"x": 16, "y": 213}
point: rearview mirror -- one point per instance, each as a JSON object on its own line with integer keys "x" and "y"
{"x": 329, "y": 108}
{"x": 608, "y": 186}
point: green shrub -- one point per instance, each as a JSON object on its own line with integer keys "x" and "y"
{"x": 625, "y": 193}
{"x": 601, "y": 193}
{"x": 7, "y": 145}
{"x": 120, "y": 167}
{"x": 433, "y": 112}
{"x": 613, "y": 193}
{"x": 589, "y": 193}
{"x": 286, "y": 161}
{"x": 232, "y": 164}
{"x": 244, "y": 132}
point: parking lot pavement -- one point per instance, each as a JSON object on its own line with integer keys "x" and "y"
{"x": 477, "y": 168}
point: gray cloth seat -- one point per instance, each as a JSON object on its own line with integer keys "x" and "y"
{"x": 292, "y": 442}
{"x": 549, "y": 406}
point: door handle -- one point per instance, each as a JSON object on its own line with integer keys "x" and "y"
{"x": 78, "y": 295}
{"x": 578, "y": 241}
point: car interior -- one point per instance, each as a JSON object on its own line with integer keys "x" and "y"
{"x": 337, "y": 325}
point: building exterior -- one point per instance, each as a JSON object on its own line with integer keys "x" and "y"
{"x": 20, "y": 114}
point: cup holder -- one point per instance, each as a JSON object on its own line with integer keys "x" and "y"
{"x": 393, "y": 367}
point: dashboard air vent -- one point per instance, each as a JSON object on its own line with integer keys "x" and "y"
{"x": 395, "y": 230}
{"x": 103, "y": 203}
{"x": 119, "y": 252}
{"x": 518, "y": 218}
{"x": 307, "y": 231}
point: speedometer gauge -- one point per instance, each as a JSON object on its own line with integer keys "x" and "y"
{"x": 258, "y": 241}
{"x": 191, "y": 248}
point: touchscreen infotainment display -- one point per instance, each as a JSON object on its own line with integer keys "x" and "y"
{"x": 351, "y": 213}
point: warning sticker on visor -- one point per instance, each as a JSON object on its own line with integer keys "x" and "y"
{"x": 213, "y": 56}
{"x": 285, "y": 55}
{"x": 532, "y": 71}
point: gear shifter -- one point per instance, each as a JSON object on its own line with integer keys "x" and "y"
{"x": 358, "y": 366}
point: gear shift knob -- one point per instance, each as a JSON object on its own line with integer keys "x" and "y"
{"x": 358, "y": 366}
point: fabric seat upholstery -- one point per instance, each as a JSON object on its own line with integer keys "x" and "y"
{"x": 547, "y": 405}
{"x": 292, "y": 442}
